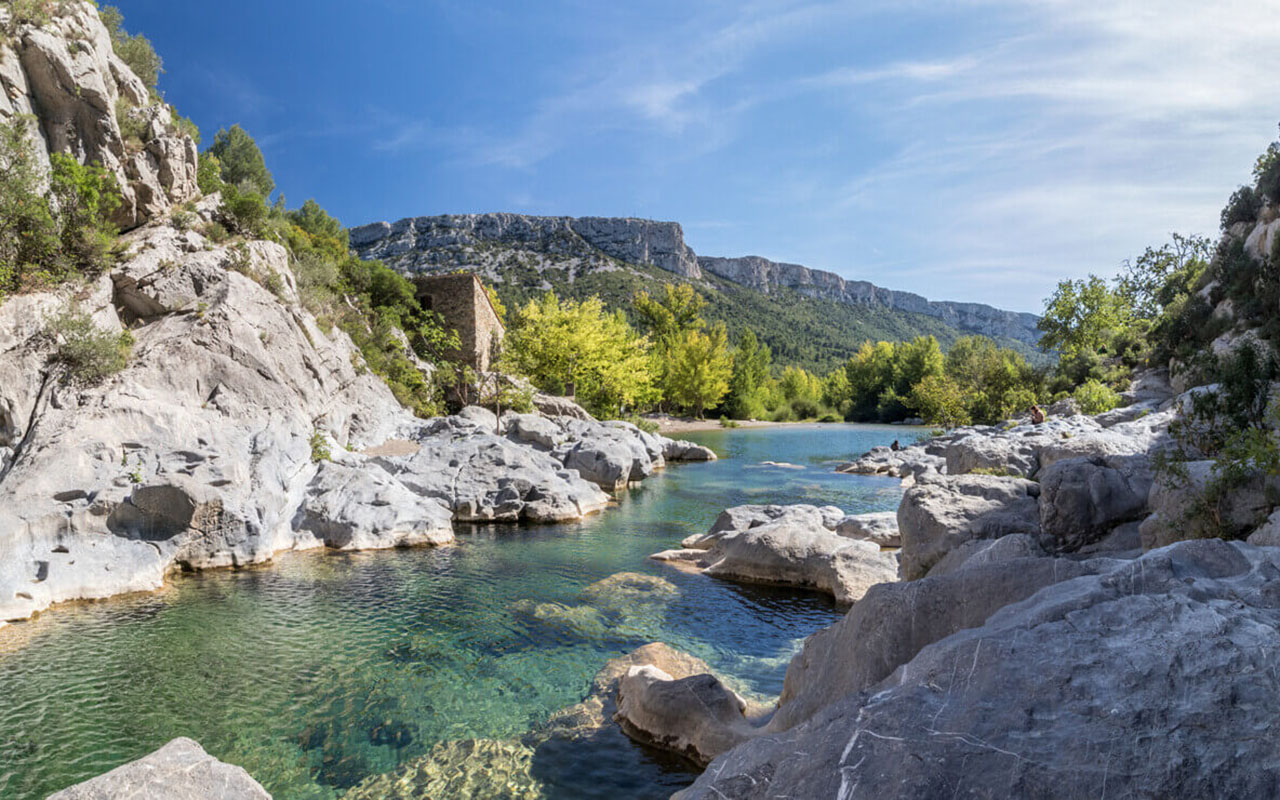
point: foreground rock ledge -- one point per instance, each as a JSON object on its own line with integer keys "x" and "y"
{"x": 1155, "y": 678}
{"x": 181, "y": 770}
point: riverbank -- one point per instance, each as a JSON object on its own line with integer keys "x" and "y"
{"x": 335, "y": 667}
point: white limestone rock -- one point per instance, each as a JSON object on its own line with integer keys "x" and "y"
{"x": 941, "y": 514}
{"x": 880, "y": 528}
{"x": 181, "y": 770}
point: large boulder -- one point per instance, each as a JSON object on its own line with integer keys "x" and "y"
{"x": 697, "y": 717}
{"x": 1084, "y": 499}
{"x": 939, "y": 515}
{"x": 1154, "y": 678}
{"x": 745, "y": 517}
{"x": 988, "y": 551}
{"x": 1015, "y": 451}
{"x": 794, "y": 549}
{"x": 483, "y": 477}
{"x": 609, "y": 454}
{"x": 181, "y": 770}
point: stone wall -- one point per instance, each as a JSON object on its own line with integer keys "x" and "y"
{"x": 463, "y": 303}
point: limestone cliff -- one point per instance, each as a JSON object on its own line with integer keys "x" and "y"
{"x": 66, "y": 79}
{"x": 494, "y": 244}
{"x": 765, "y": 275}
{"x": 419, "y": 244}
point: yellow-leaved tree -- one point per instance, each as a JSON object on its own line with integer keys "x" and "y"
{"x": 571, "y": 347}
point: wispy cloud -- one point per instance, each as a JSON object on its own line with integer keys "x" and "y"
{"x": 1015, "y": 141}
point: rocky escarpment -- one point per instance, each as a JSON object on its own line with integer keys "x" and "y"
{"x": 241, "y": 427}
{"x": 427, "y": 244}
{"x": 67, "y": 79}
{"x": 765, "y": 275}
{"x": 422, "y": 244}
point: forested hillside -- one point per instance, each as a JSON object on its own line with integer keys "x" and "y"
{"x": 814, "y": 333}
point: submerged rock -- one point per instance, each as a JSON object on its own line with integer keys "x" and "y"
{"x": 481, "y": 769}
{"x": 181, "y": 770}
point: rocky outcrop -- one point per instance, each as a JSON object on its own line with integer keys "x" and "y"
{"x": 418, "y": 244}
{"x": 1084, "y": 499}
{"x": 941, "y": 514}
{"x": 1126, "y": 683}
{"x": 181, "y": 770}
{"x": 67, "y": 77}
{"x": 765, "y": 275}
{"x": 241, "y": 428}
{"x": 786, "y": 545}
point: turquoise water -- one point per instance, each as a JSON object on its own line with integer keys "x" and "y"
{"x": 320, "y": 669}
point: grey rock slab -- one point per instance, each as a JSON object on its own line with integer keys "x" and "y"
{"x": 880, "y": 527}
{"x": 1083, "y": 499}
{"x": 1154, "y": 678}
{"x": 180, "y": 770}
{"x": 939, "y": 515}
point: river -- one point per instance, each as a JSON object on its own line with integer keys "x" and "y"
{"x": 319, "y": 669}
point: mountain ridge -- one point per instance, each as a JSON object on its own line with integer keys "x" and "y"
{"x": 432, "y": 243}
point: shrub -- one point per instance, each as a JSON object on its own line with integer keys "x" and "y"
{"x": 133, "y": 127}
{"x": 88, "y": 353}
{"x": 49, "y": 237}
{"x": 1266, "y": 173}
{"x": 319, "y": 447}
{"x": 209, "y": 173}
{"x": 1095, "y": 397}
{"x": 184, "y": 126}
{"x": 86, "y": 196}
{"x": 1243, "y": 206}
{"x": 245, "y": 210}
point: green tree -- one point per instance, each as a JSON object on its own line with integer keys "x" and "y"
{"x": 49, "y": 236}
{"x": 571, "y": 347}
{"x": 29, "y": 235}
{"x": 241, "y": 162}
{"x": 676, "y": 309}
{"x": 1082, "y": 315}
{"x": 1158, "y": 276}
{"x": 699, "y": 368}
{"x": 941, "y": 401}
{"x": 751, "y": 361}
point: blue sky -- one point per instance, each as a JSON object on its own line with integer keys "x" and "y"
{"x": 976, "y": 150}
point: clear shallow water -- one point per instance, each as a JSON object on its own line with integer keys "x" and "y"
{"x": 320, "y": 669}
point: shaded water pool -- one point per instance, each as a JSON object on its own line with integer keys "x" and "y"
{"x": 318, "y": 670}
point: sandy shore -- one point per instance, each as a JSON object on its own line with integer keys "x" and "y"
{"x": 669, "y": 424}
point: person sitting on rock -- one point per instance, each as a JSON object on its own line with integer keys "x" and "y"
{"x": 1037, "y": 415}
{"x": 895, "y": 447}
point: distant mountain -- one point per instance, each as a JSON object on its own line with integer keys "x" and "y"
{"x": 809, "y": 317}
